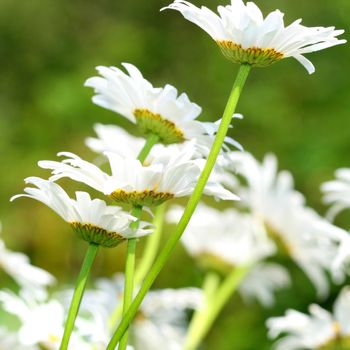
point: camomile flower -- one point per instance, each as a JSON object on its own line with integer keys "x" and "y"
{"x": 297, "y": 230}
{"x": 91, "y": 219}
{"x": 337, "y": 192}
{"x": 160, "y": 111}
{"x": 112, "y": 138}
{"x": 262, "y": 281}
{"x": 135, "y": 183}
{"x": 223, "y": 239}
{"x": 41, "y": 321}
{"x": 161, "y": 320}
{"x": 245, "y": 36}
{"x": 17, "y": 265}
{"x": 317, "y": 331}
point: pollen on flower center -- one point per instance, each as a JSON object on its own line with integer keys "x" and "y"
{"x": 150, "y": 122}
{"x": 143, "y": 198}
{"x": 254, "y": 56}
{"x": 97, "y": 235}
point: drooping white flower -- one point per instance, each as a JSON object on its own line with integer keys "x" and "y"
{"x": 298, "y": 231}
{"x": 319, "y": 330}
{"x": 262, "y": 281}
{"x": 245, "y": 36}
{"x": 223, "y": 238}
{"x": 132, "y": 182}
{"x": 337, "y": 192}
{"x": 154, "y": 110}
{"x": 17, "y": 265}
{"x": 91, "y": 219}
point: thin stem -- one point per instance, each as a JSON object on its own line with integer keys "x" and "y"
{"x": 129, "y": 273}
{"x": 78, "y": 294}
{"x": 201, "y": 324}
{"x": 151, "y": 140}
{"x": 147, "y": 259}
{"x": 190, "y": 208}
{"x": 152, "y": 245}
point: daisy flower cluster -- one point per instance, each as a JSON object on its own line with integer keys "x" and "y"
{"x": 259, "y": 225}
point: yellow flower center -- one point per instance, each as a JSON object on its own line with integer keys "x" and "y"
{"x": 254, "y": 56}
{"x": 150, "y": 122}
{"x": 97, "y": 235}
{"x": 146, "y": 198}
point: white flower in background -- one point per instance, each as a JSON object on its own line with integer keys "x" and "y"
{"x": 262, "y": 281}
{"x": 319, "y": 330}
{"x": 9, "y": 341}
{"x": 17, "y": 265}
{"x": 154, "y": 110}
{"x": 245, "y": 36}
{"x": 298, "y": 231}
{"x": 161, "y": 320}
{"x": 112, "y": 138}
{"x": 223, "y": 238}
{"x": 91, "y": 219}
{"x": 337, "y": 192}
{"x": 132, "y": 182}
{"x": 41, "y": 321}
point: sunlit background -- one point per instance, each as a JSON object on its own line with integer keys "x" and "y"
{"x": 49, "y": 48}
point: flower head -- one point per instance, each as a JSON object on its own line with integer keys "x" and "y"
{"x": 245, "y": 36}
{"x": 168, "y": 176}
{"x": 319, "y": 330}
{"x": 154, "y": 110}
{"x": 298, "y": 231}
{"x": 91, "y": 219}
{"x": 17, "y": 265}
{"x": 337, "y": 192}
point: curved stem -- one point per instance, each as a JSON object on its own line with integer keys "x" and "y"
{"x": 215, "y": 301}
{"x": 190, "y": 208}
{"x": 78, "y": 294}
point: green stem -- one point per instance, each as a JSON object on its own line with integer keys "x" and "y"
{"x": 78, "y": 294}
{"x": 147, "y": 259}
{"x": 129, "y": 272}
{"x": 151, "y": 140}
{"x": 215, "y": 301}
{"x": 152, "y": 245}
{"x": 190, "y": 208}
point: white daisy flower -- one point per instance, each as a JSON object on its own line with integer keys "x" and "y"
{"x": 112, "y": 138}
{"x": 337, "y": 192}
{"x": 91, "y": 219}
{"x": 245, "y": 36}
{"x": 17, "y": 265}
{"x": 132, "y": 182}
{"x": 262, "y": 281}
{"x": 154, "y": 110}
{"x": 319, "y": 330}
{"x": 161, "y": 319}
{"x": 298, "y": 231}
{"x": 41, "y": 321}
{"x": 223, "y": 239}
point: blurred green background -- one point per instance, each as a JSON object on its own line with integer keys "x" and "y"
{"x": 49, "y": 48}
